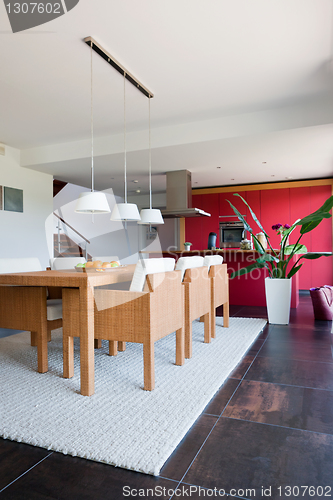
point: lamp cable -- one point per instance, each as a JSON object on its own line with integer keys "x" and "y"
{"x": 92, "y": 119}
{"x": 150, "y": 195}
{"x": 125, "y": 165}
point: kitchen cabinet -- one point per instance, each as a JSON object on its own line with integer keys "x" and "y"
{"x": 271, "y": 206}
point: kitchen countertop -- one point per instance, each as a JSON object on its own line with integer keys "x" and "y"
{"x": 195, "y": 252}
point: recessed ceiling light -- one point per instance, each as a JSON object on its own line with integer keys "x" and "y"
{"x": 289, "y": 178}
{"x": 135, "y": 181}
{"x": 138, "y": 190}
{"x": 264, "y": 161}
{"x": 272, "y": 175}
{"x": 232, "y": 179}
{"x": 218, "y": 167}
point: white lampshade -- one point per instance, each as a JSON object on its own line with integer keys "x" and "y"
{"x": 125, "y": 212}
{"x": 151, "y": 216}
{"x": 92, "y": 202}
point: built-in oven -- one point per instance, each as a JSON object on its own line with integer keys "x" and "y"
{"x": 231, "y": 234}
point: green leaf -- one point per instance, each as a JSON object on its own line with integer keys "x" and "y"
{"x": 315, "y": 255}
{"x": 320, "y": 214}
{"x": 306, "y": 228}
{"x": 267, "y": 257}
{"x": 240, "y": 217}
{"x": 257, "y": 246}
{"x": 245, "y": 270}
{"x": 256, "y": 220}
{"x": 290, "y": 230}
{"x": 296, "y": 249}
{"x": 294, "y": 270}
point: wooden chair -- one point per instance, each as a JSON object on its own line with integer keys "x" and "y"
{"x": 61, "y": 263}
{"x": 219, "y": 280}
{"x": 197, "y": 303}
{"x": 22, "y": 310}
{"x": 133, "y": 316}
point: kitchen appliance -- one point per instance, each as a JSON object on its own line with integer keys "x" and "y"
{"x": 179, "y": 196}
{"x": 231, "y": 234}
{"x": 212, "y": 240}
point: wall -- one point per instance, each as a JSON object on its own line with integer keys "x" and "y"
{"x": 272, "y": 203}
{"x": 26, "y": 234}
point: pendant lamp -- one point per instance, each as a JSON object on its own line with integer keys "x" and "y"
{"x": 92, "y": 202}
{"x": 150, "y": 215}
{"x": 125, "y": 211}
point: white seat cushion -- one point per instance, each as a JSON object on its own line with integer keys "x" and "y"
{"x": 54, "y": 309}
{"x": 213, "y": 260}
{"x": 60, "y": 263}
{"x": 149, "y": 266}
{"x": 20, "y": 265}
{"x": 184, "y": 263}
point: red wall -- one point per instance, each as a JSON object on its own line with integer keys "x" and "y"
{"x": 271, "y": 206}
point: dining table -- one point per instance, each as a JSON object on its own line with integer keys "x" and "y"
{"x": 85, "y": 281}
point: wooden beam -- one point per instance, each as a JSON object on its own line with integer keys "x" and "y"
{"x": 264, "y": 187}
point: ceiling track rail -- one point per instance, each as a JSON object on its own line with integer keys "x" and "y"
{"x": 116, "y": 65}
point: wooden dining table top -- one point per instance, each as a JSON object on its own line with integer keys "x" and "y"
{"x": 69, "y": 277}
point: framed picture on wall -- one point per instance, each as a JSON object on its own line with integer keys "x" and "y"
{"x": 13, "y": 199}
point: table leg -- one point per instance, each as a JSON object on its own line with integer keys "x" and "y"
{"x": 98, "y": 343}
{"x": 87, "y": 340}
{"x": 41, "y": 334}
{"x": 148, "y": 365}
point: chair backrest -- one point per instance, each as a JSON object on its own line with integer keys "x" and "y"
{"x": 184, "y": 263}
{"x": 19, "y": 265}
{"x": 212, "y": 260}
{"x": 60, "y": 263}
{"x": 149, "y": 266}
{"x": 108, "y": 258}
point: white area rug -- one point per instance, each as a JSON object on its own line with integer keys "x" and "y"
{"x": 121, "y": 424}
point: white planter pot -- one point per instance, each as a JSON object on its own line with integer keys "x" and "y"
{"x": 187, "y": 248}
{"x": 278, "y": 296}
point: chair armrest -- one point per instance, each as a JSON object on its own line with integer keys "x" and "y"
{"x": 106, "y": 299}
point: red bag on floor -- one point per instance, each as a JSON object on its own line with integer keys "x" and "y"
{"x": 322, "y": 301}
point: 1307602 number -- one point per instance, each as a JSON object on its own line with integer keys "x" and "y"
{"x": 33, "y": 7}
{"x": 301, "y": 491}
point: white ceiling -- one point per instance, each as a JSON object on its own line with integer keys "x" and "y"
{"x": 236, "y": 83}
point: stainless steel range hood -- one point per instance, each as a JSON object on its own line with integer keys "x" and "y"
{"x": 179, "y": 196}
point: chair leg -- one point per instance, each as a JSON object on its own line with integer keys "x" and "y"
{"x": 212, "y": 322}
{"x": 188, "y": 339}
{"x": 226, "y": 315}
{"x": 180, "y": 347}
{"x": 68, "y": 356}
{"x": 113, "y": 348}
{"x": 97, "y": 343}
{"x": 122, "y": 346}
{"x": 148, "y": 365}
{"x": 207, "y": 328}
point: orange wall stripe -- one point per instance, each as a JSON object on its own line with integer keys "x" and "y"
{"x": 262, "y": 187}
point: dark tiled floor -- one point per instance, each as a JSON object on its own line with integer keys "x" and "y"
{"x": 269, "y": 428}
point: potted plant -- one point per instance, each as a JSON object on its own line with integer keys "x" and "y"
{"x": 279, "y": 262}
{"x": 187, "y": 246}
